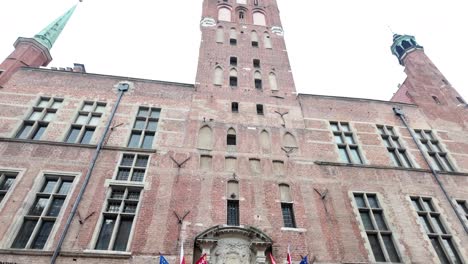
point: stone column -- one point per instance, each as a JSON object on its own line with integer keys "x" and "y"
{"x": 206, "y": 246}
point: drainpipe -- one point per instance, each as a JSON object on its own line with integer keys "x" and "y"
{"x": 122, "y": 88}
{"x": 400, "y": 114}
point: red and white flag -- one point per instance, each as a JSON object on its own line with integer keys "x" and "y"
{"x": 289, "y": 256}
{"x": 272, "y": 259}
{"x": 202, "y": 260}
{"x": 182, "y": 257}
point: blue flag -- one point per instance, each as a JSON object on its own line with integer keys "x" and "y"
{"x": 162, "y": 260}
{"x": 304, "y": 260}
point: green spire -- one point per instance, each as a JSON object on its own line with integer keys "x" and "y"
{"x": 49, "y": 34}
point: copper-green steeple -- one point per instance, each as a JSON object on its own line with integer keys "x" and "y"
{"x": 49, "y": 34}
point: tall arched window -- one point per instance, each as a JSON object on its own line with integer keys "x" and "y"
{"x": 265, "y": 140}
{"x": 231, "y": 139}
{"x": 220, "y": 35}
{"x": 259, "y": 19}
{"x": 258, "y": 80}
{"x": 273, "y": 82}
{"x": 241, "y": 15}
{"x": 233, "y": 36}
{"x": 224, "y": 14}
{"x": 267, "y": 40}
{"x": 289, "y": 141}
{"x": 233, "y": 203}
{"x": 233, "y": 78}
{"x": 205, "y": 138}
{"x": 218, "y": 76}
{"x": 254, "y": 38}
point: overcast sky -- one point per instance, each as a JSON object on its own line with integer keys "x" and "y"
{"x": 336, "y": 47}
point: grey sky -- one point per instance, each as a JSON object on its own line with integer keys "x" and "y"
{"x": 337, "y": 47}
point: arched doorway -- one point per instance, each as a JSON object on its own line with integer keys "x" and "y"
{"x": 233, "y": 245}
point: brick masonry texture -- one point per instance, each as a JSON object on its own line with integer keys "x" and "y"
{"x": 328, "y": 228}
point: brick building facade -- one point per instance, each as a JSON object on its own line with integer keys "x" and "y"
{"x": 108, "y": 169}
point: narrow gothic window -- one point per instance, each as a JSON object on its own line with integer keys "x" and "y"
{"x": 233, "y": 203}
{"x": 220, "y": 35}
{"x": 241, "y": 15}
{"x": 289, "y": 141}
{"x": 233, "y": 61}
{"x": 258, "y": 80}
{"x": 273, "y": 82}
{"x": 233, "y": 78}
{"x": 224, "y": 14}
{"x": 254, "y": 39}
{"x": 259, "y": 109}
{"x": 267, "y": 40}
{"x": 235, "y": 107}
{"x": 205, "y": 138}
{"x": 231, "y": 137}
{"x": 405, "y": 44}
{"x": 287, "y": 207}
{"x": 233, "y": 37}
{"x": 218, "y": 76}
{"x": 256, "y": 63}
{"x": 206, "y": 162}
{"x": 265, "y": 140}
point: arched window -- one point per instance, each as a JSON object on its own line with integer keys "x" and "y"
{"x": 254, "y": 38}
{"x": 220, "y": 35}
{"x": 233, "y": 203}
{"x": 289, "y": 141}
{"x": 224, "y": 14}
{"x": 205, "y": 138}
{"x": 258, "y": 80}
{"x": 400, "y": 51}
{"x": 265, "y": 140}
{"x": 231, "y": 139}
{"x": 273, "y": 82}
{"x": 233, "y": 36}
{"x": 267, "y": 40}
{"x": 241, "y": 15}
{"x": 287, "y": 206}
{"x": 218, "y": 76}
{"x": 405, "y": 44}
{"x": 259, "y": 19}
{"x": 233, "y": 78}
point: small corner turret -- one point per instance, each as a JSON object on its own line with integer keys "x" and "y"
{"x": 403, "y": 45}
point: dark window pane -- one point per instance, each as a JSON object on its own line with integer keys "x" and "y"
{"x": 148, "y": 141}
{"x": 379, "y": 219}
{"x": 381, "y": 130}
{"x": 24, "y": 132}
{"x": 113, "y": 207}
{"x": 451, "y": 251}
{"x": 82, "y": 119}
{"x": 334, "y": 126}
{"x": 258, "y": 84}
{"x": 155, "y": 113}
{"x": 88, "y": 134}
{"x": 73, "y": 135}
{"x": 338, "y": 139}
{"x": 24, "y": 234}
{"x": 424, "y": 221}
{"x": 130, "y": 207}
{"x": 49, "y": 186}
{"x": 138, "y": 175}
{"x": 43, "y": 102}
{"x": 65, "y": 188}
{"x": 366, "y": 220}
{"x": 2, "y": 195}
{"x": 39, "y": 132}
{"x": 428, "y": 205}
{"x": 38, "y": 206}
{"x": 372, "y": 199}
{"x": 54, "y": 209}
{"x": 435, "y": 146}
{"x": 36, "y": 114}
{"x": 434, "y": 162}
{"x": 394, "y": 158}
{"x": 376, "y": 248}
{"x": 349, "y": 139}
{"x": 117, "y": 194}
{"x": 100, "y": 108}
{"x": 360, "y": 200}
{"x": 446, "y": 163}
{"x": 391, "y": 250}
{"x": 152, "y": 125}
{"x": 140, "y": 124}
{"x": 288, "y": 215}
{"x": 143, "y": 112}
{"x": 132, "y": 195}
{"x": 437, "y": 224}
{"x": 105, "y": 234}
{"x": 344, "y": 155}
{"x": 134, "y": 140}
{"x": 463, "y": 205}
{"x": 231, "y": 140}
{"x": 88, "y": 107}
{"x": 356, "y": 156}
{"x": 122, "y": 174}
{"x": 94, "y": 121}
{"x": 405, "y": 160}
{"x": 49, "y": 116}
{"x": 123, "y": 235}
{"x": 7, "y": 183}
{"x": 233, "y": 81}
{"x": 141, "y": 161}
{"x": 260, "y": 109}
{"x": 416, "y": 204}
{"x": 42, "y": 235}
{"x": 345, "y": 127}
{"x": 440, "y": 252}
{"x": 127, "y": 160}
{"x": 233, "y": 212}
{"x": 387, "y": 142}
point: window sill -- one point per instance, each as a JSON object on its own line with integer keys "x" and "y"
{"x": 99, "y": 253}
{"x": 291, "y": 229}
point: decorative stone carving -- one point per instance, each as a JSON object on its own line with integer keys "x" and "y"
{"x": 277, "y": 30}
{"x": 208, "y": 22}
{"x": 234, "y": 245}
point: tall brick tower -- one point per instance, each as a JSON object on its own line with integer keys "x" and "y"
{"x": 34, "y": 52}
{"x": 243, "y": 49}
{"x": 425, "y": 85}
